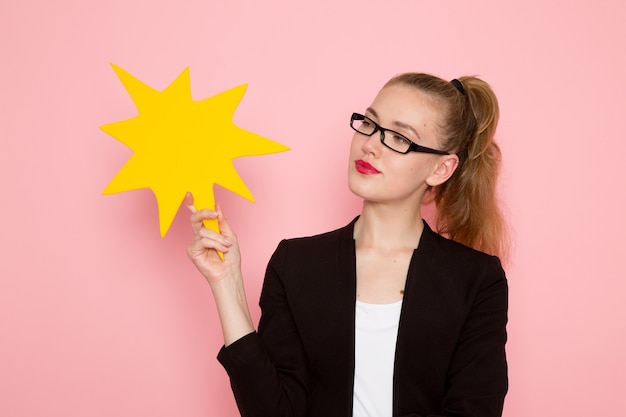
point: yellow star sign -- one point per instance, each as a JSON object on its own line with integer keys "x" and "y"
{"x": 183, "y": 145}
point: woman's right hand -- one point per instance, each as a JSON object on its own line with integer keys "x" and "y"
{"x": 203, "y": 251}
{"x": 223, "y": 275}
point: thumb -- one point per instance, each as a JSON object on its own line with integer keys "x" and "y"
{"x": 223, "y": 223}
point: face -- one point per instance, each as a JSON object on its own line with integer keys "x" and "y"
{"x": 377, "y": 173}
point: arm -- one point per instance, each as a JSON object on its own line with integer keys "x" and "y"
{"x": 266, "y": 368}
{"x": 460, "y": 368}
{"x": 477, "y": 379}
{"x": 223, "y": 276}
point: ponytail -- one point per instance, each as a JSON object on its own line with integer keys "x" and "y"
{"x": 467, "y": 203}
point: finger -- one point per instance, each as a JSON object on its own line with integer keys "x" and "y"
{"x": 189, "y": 202}
{"x": 214, "y": 245}
{"x": 211, "y": 234}
{"x": 204, "y": 214}
{"x": 201, "y": 250}
{"x": 203, "y": 246}
{"x": 223, "y": 224}
{"x": 200, "y": 215}
{"x": 209, "y": 239}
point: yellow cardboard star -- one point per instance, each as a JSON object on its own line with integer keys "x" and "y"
{"x": 183, "y": 145}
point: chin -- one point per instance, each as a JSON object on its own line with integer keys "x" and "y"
{"x": 363, "y": 192}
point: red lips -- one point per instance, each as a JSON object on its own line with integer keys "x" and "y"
{"x": 365, "y": 167}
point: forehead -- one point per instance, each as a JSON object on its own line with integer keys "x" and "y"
{"x": 405, "y": 104}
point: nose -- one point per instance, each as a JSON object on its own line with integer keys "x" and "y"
{"x": 372, "y": 144}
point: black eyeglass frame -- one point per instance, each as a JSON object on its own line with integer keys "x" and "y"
{"x": 413, "y": 147}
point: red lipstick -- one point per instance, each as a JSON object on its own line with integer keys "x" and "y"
{"x": 365, "y": 167}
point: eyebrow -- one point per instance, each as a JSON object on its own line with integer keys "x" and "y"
{"x": 396, "y": 123}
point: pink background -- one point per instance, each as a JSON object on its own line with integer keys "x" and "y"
{"x": 99, "y": 316}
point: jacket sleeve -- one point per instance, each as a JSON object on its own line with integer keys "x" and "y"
{"x": 477, "y": 380}
{"x": 267, "y": 369}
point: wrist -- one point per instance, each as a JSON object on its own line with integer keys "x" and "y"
{"x": 232, "y": 307}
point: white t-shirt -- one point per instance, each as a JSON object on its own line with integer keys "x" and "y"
{"x": 376, "y": 332}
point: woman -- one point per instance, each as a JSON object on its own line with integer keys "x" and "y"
{"x": 383, "y": 317}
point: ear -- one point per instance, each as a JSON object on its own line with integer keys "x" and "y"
{"x": 446, "y": 165}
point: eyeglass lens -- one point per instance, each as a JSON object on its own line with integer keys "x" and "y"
{"x": 391, "y": 139}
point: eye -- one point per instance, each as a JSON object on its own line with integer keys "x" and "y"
{"x": 400, "y": 140}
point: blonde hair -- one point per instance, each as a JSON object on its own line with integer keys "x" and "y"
{"x": 467, "y": 205}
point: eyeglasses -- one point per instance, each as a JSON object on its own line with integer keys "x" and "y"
{"x": 396, "y": 142}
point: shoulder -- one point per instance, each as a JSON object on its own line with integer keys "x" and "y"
{"x": 323, "y": 243}
{"x": 326, "y": 254}
{"x": 453, "y": 259}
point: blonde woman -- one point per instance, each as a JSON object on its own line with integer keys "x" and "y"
{"x": 383, "y": 317}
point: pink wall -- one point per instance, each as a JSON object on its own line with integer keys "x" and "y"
{"x": 99, "y": 316}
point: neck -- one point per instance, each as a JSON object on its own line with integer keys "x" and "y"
{"x": 388, "y": 227}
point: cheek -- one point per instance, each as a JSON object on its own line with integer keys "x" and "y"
{"x": 415, "y": 171}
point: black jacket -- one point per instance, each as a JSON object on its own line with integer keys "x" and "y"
{"x": 450, "y": 358}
